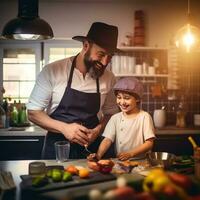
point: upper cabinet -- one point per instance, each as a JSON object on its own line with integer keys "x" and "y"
{"x": 141, "y": 62}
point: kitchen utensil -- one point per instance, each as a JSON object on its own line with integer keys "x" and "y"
{"x": 95, "y": 177}
{"x": 194, "y": 145}
{"x": 164, "y": 159}
{"x": 86, "y": 151}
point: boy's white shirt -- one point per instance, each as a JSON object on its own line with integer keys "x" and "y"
{"x": 128, "y": 133}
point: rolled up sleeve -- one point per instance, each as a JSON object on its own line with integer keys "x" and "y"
{"x": 41, "y": 93}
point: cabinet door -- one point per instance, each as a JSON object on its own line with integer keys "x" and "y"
{"x": 176, "y": 144}
{"x": 21, "y": 148}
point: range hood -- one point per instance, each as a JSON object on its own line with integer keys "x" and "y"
{"x": 27, "y": 25}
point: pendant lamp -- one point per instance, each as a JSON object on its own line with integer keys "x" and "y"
{"x": 27, "y": 25}
{"x": 188, "y": 37}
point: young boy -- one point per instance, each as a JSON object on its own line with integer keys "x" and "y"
{"x": 132, "y": 129}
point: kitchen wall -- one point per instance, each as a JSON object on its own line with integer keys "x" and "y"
{"x": 162, "y": 19}
{"x": 72, "y": 17}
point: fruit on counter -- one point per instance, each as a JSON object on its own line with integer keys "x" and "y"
{"x": 93, "y": 165}
{"x": 144, "y": 196}
{"x": 49, "y": 173}
{"x": 39, "y": 181}
{"x": 149, "y": 182}
{"x": 158, "y": 182}
{"x": 181, "y": 180}
{"x": 121, "y": 193}
{"x": 95, "y": 194}
{"x": 56, "y": 175}
{"x": 72, "y": 169}
{"x": 83, "y": 173}
{"x": 169, "y": 190}
{"x": 104, "y": 166}
{"x": 66, "y": 176}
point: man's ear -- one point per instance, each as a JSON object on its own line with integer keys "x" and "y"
{"x": 86, "y": 45}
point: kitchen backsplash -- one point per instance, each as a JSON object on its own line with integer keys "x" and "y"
{"x": 156, "y": 94}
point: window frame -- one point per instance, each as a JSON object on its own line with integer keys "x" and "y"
{"x": 13, "y": 44}
{"x": 67, "y": 43}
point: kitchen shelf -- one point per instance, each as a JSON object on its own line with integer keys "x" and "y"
{"x": 132, "y": 48}
{"x": 143, "y": 75}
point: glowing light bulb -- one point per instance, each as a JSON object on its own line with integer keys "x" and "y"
{"x": 26, "y": 36}
{"x": 188, "y": 37}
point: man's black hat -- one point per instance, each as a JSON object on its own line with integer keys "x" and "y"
{"x": 104, "y": 35}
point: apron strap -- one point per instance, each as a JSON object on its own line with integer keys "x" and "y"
{"x": 71, "y": 72}
{"x": 71, "y": 75}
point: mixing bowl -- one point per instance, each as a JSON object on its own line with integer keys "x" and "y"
{"x": 163, "y": 159}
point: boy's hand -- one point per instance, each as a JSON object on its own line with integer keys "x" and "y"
{"x": 92, "y": 157}
{"x": 124, "y": 156}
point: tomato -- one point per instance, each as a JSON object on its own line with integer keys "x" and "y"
{"x": 71, "y": 169}
{"x": 84, "y": 173}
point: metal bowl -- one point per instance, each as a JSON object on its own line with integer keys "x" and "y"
{"x": 163, "y": 159}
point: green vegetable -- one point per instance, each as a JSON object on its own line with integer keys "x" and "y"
{"x": 39, "y": 181}
{"x": 67, "y": 176}
{"x": 56, "y": 175}
{"x": 49, "y": 173}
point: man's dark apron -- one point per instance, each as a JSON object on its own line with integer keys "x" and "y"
{"x": 75, "y": 106}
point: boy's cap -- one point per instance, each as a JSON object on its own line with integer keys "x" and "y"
{"x": 129, "y": 84}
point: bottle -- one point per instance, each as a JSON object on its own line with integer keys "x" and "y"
{"x": 7, "y": 113}
{"x": 22, "y": 115}
{"x": 2, "y": 117}
{"x": 14, "y": 116}
{"x": 181, "y": 114}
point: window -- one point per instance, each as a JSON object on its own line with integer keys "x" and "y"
{"x": 59, "y": 49}
{"x": 23, "y": 60}
{"x": 21, "y": 64}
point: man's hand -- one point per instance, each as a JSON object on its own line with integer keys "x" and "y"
{"x": 124, "y": 155}
{"x": 76, "y": 133}
{"x": 94, "y": 133}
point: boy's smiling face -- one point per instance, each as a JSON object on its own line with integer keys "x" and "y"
{"x": 127, "y": 102}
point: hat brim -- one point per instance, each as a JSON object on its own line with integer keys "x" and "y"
{"x": 83, "y": 38}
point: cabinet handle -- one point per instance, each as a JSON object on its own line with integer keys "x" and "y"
{"x": 20, "y": 140}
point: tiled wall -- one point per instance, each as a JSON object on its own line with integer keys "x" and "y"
{"x": 189, "y": 75}
{"x": 158, "y": 93}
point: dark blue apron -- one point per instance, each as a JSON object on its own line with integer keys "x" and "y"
{"x": 75, "y": 106}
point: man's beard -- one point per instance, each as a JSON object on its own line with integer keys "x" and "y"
{"x": 94, "y": 67}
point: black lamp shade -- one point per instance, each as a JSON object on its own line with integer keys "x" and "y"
{"x": 27, "y": 25}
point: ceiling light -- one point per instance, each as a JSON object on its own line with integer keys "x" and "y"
{"x": 27, "y": 25}
{"x": 188, "y": 37}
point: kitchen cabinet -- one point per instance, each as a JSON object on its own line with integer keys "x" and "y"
{"x": 141, "y": 62}
{"x": 177, "y": 144}
{"x": 21, "y": 147}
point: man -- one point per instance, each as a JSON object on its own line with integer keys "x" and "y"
{"x": 73, "y": 97}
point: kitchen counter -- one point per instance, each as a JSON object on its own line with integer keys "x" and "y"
{"x": 21, "y": 168}
{"x": 37, "y": 131}
{"x": 173, "y": 130}
{"x": 23, "y": 131}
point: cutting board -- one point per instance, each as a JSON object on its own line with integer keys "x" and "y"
{"x": 95, "y": 177}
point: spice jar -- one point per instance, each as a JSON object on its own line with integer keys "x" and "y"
{"x": 181, "y": 114}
